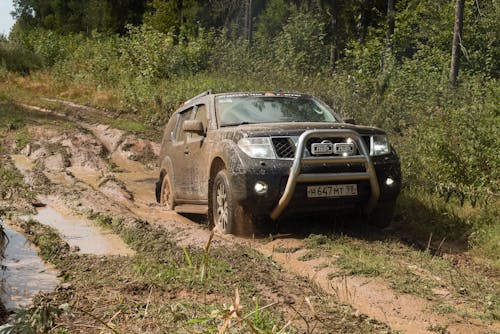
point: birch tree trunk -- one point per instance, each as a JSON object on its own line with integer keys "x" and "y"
{"x": 457, "y": 37}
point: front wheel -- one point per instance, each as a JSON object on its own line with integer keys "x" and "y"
{"x": 222, "y": 205}
{"x": 225, "y": 213}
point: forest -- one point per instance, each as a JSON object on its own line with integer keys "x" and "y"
{"x": 384, "y": 63}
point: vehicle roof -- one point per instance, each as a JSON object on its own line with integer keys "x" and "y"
{"x": 209, "y": 93}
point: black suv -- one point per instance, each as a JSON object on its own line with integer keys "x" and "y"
{"x": 247, "y": 157}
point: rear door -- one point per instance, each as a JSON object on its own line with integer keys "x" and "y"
{"x": 196, "y": 158}
{"x": 181, "y": 178}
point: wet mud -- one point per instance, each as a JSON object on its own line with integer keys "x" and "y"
{"x": 24, "y": 274}
{"x": 80, "y": 234}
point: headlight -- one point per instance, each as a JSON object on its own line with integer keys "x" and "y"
{"x": 257, "y": 147}
{"x": 379, "y": 145}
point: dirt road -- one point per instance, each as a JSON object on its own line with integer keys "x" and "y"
{"x": 95, "y": 168}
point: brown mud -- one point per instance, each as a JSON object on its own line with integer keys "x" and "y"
{"x": 100, "y": 171}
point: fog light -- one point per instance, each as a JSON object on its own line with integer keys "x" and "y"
{"x": 260, "y": 187}
{"x": 389, "y": 181}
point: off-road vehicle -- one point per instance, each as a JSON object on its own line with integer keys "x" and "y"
{"x": 242, "y": 158}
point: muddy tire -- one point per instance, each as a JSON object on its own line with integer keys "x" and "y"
{"x": 222, "y": 203}
{"x": 166, "y": 193}
{"x": 225, "y": 214}
{"x": 381, "y": 216}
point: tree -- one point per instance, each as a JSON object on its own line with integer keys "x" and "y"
{"x": 457, "y": 36}
{"x": 66, "y": 16}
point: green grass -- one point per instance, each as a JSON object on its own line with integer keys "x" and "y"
{"x": 129, "y": 125}
{"x": 423, "y": 215}
{"x": 408, "y": 270}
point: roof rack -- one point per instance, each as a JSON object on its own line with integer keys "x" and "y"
{"x": 205, "y": 93}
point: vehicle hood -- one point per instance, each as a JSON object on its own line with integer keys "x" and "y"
{"x": 295, "y": 128}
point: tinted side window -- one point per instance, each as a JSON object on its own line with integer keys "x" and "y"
{"x": 201, "y": 115}
{"x": 180, "y": 135}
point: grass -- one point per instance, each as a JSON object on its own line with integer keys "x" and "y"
{"x": 409, "y": 270}
{"x": 107, "y": 110}
{"x": 476, "y": 229}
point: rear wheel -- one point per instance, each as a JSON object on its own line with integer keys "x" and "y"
{"x": 166, "y": 194}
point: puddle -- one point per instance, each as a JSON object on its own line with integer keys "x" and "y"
{"x": 25, "y": 274}
{"x": 83, "y": 234}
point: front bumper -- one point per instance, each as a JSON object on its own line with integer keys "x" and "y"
{"x": 368, "y": 173}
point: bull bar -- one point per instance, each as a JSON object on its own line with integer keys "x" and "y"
{"x": 296, "y": 176}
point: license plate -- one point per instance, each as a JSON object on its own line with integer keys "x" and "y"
{"x": 321, "y": 148}
{"x": 334, "y": 190}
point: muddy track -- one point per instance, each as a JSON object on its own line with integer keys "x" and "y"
{"x": 99, "y": 168}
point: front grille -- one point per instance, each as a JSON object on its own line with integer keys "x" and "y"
{"x": 284, "y": 147}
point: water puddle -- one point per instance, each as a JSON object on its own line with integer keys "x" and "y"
{"x": 24, "y": 274}
{"x": 81, "y": 233}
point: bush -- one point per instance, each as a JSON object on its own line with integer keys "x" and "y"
{"x": 16, "y": 58}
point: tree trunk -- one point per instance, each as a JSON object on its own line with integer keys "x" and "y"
{"x": 457, "y": 37}
{"x": 390, "y": 23}
{"x": 248, "y": 21}
{"x": 333, "y": 46}
{"x": 391, "y": 17}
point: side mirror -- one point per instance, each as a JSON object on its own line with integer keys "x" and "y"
{"x": 350, "y": 121}
{"x": 193, "y": 126}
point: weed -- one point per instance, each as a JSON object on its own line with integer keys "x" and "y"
{"x": 310, "y": 255}
{"x": 443, "y": 308}
{"x": 39, "y": 318}
{"x": 287, "y": 250}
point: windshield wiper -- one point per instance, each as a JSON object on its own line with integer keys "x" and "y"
{"x": 236, "y": 124}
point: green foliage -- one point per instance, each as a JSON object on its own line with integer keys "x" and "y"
{"x": 300, "y": 45}
{"x": 79, "y": 16}
{"x": 17, "y": 58}
{"x": 272, "y": 19}
{"x": 49, "y": 46}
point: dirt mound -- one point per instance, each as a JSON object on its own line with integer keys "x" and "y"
{"x": 108, "y": 136}
{"x": 115, "y": 188}
{"x": 86, "y": 151}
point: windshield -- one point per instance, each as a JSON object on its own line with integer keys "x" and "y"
{"x": 249, "y": 109}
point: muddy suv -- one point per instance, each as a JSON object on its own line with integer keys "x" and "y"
{"x": 244, "y": 158}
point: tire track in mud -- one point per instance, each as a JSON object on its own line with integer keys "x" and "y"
{"x": 372, "y": 297}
